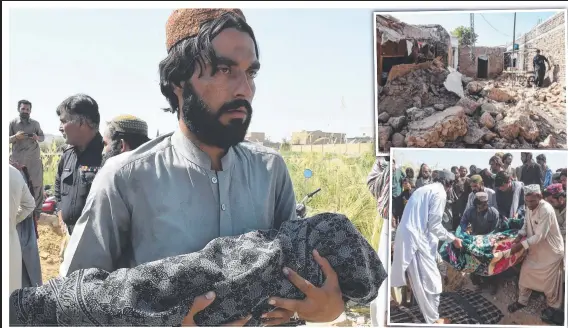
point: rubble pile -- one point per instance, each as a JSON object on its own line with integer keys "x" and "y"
{"x": 417, "y": 110}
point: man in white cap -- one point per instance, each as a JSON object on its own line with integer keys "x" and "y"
{"x": 542, "y": 270}
{"x": 124, "y": 133}
{"x": 416, "y": 245}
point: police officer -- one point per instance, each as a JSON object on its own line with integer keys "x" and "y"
{"x": 81, "y": 160}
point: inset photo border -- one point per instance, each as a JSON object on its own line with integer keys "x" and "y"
{"x": 455, "y": 79}
{"x": 459, "y": 301}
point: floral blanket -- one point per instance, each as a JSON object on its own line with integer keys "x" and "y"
{"x": 476, "y": 255}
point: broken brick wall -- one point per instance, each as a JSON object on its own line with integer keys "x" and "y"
{"x": 550, "y": 38}
{"x": 468, "y": 67}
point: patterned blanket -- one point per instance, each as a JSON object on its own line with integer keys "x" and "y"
{"x": 244, "y": 271}
{"x": 476, "y": 255}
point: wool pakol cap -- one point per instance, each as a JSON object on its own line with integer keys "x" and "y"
{"x": 185, "y": 23}
{"x": 129, "y": 124}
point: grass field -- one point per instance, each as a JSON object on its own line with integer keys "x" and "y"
{"x": 342, "y": 180}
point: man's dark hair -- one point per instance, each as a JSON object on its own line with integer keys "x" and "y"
{"x": 507, "y": 155}
{"x": 81, "y": 108}
{"x": 558, "y": 195}
{"x": 496, "y": 160}
{"x": 541, "y": 157}
{"x": 184, "y": 57}
{"x": 409, "y": 172}
{"x": 24, "y": 102}
{"x": 134, "y": 140}
{"x": 454, "y": 168}
{"x": 563, "y": 173}
{"x": 501, "y": 178}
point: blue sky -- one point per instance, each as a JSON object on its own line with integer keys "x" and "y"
{"x": 445, "y": 158}
{"x": 492, "y": 28}
{"x": 310, "y": 62}
{"x": 317, "y": 66}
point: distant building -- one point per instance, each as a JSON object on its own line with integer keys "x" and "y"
{"x": 364, "y": 139}
{"x": 316, "y": 138}
{"x": 259, "y": 137}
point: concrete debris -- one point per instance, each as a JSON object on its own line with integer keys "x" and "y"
{"x": 426, "y": 105}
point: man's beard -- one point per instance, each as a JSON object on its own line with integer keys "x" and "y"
{"x": 205, "y": 124}
{"x": 25, "y": 116}
{"x": 115, "y": 149}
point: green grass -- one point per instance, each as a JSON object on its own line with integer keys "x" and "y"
{"x": 341, "y": 178}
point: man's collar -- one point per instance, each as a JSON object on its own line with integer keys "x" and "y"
{"x": 197, "y": 156}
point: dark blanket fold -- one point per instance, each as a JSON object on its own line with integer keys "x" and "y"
{"x": 244, "y": 271}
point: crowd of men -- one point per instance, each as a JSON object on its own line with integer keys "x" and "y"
{"x": 86, "y": 151}
{"x": 175, "y": 193}
{"x": 431, "y": 208}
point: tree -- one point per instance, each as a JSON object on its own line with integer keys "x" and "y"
{"x": 466, "y": 36}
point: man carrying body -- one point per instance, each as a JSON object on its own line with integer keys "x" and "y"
{"x": 416, "y": 245}
{"x": 542, "y": 270}
{"x": 80, "y": 162}
{"x": 25, "y": 136}
{"x": 539, "y": 67}
{"x": 483, "y": 220}
{"x": 179, "y": 191}
{"x": 477, "y": 185}
{"x": 509, "y": 195}
{"x": 124, "y": 133}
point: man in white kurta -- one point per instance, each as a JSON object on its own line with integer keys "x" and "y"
{"x": 416, "y": 243}
{"x": 22, "y": 204}
{"x": 543, "y": 268}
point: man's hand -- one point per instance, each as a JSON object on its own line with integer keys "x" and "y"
{"x": 457, "y": 243}
{"x": 199, "y": 304}
{"x": 35, "y": 137}
{"x": 20, "y": 135}
{"x": 277, "y": 317}
{"x": 517, "y": 239}
{"x": 516, "y": 248}
{"x": 323, "y": 304}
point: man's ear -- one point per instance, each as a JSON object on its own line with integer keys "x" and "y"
{"x": 178, "y": 88}
{"x": 124, "y": 147}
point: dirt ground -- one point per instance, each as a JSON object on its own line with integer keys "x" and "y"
{"x": 50, "y": 241}
{"x": 49, "y": 246}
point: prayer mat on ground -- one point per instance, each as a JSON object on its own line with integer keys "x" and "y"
{"x": 476, "y": 254}
{"x": 463, "y": 307}
{"x": 244, "y": 271}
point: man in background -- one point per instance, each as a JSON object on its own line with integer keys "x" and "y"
{"x": 25, "y": 136}
{"x": 509, "y": 195}
{"x": 539, "y": 67}
{"x": 531, "y": 172}
{"x": 124, "y": 133}
{"x": 21, "y": 204}
{"x": 546, "y": 172}
{"x": 79, "y": 123}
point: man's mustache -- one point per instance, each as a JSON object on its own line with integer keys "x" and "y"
{"x": 234, "y": 105}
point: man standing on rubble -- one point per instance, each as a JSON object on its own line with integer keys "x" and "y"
{"x": 416, "y": 245}
{"x": 25, "y": 136}
{"x": 539, "y": 67}
{"x": 179, "y": 191}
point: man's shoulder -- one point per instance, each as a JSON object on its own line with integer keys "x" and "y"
{"x": 257, "y": 152}
{"x": 144, "y": 153}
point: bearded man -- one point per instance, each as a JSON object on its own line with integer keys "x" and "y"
{"x": 179, "y": 191}
{"x": 124, "y": 133}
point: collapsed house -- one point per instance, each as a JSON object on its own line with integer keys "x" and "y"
{"x": 399, "y": 43}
